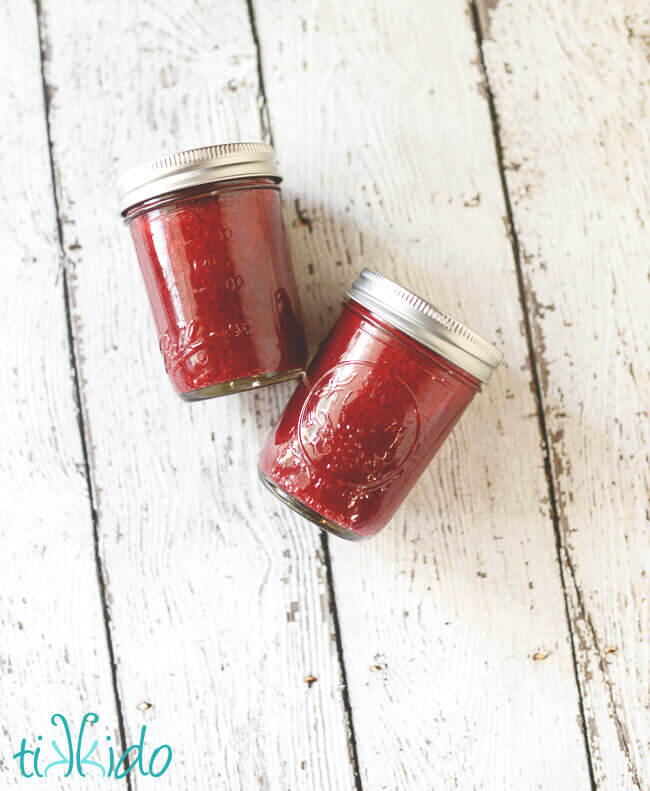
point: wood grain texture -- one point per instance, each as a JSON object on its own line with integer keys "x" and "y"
{"x": 385, "y": 140}
{"x": 572, "y": 90}
{"x": 53, "y": 652}
{"x": 218, "y": 598}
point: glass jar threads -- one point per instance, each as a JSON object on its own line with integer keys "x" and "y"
{"x": 210, "y": 239}
{"x": 388, "y": 385}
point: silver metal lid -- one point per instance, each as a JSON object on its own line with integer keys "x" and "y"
{"x": 194, "y": 167}
{"x": 425, "y": 323}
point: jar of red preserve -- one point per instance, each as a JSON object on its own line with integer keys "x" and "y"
{"x": 387, "y": 386}
{"x": 209, "y": 236}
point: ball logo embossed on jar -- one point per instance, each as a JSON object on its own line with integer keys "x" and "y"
{"x": 341, "y": 436}
{"x": 187, "y": 344}
{"x": 192, "y": 350}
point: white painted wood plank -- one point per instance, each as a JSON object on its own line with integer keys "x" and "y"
{"x": 386, "y": 143}
{"x": 572, "y": 91}
{"x": 53, "y": 651}
{"x": 218, "y": 599}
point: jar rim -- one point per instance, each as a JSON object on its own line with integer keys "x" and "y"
{"x": 194, "y": 167}
{"x": 422, "y": 321}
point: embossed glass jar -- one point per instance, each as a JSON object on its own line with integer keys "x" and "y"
{"x": 209, "y": 235}
{"x": 387, "y": 386}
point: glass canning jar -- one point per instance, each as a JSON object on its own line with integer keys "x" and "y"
{"x": 385, "y": 389}
{"x": 209, "y": 235}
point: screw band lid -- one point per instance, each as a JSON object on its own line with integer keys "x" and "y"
{"x": 194, "y": 167}
{"x": 425, "y": 323}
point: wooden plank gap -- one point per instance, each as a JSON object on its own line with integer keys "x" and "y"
{"x": 352, "y": 739}
{"x": 265, "y": 118}
{"x": 42, "y": 42}
{"x": 265, "y": 121}
{"x": 535, "y": 374}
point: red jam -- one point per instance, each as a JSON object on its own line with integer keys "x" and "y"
{"x": 372, "y": 411}
{"x": 217, "y": 271}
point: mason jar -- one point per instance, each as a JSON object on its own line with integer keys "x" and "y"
{"x": 209, "y": 236}
{"x": 387, "y": 386}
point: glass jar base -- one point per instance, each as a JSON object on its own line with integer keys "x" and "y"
{"x": 240, "y": 385}
{"x": 307, "y": 512}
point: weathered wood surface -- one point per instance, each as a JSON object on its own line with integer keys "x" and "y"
{"x": 572, "y": 90}
{"x": 53, "y": 650}
{"x": 390, "y": 164}
{"x": 218, "y": 598}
